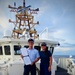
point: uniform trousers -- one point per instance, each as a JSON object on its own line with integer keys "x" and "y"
{"x": 30, "y": 69}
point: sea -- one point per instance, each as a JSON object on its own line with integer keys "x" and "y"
{"x": 56, "y": 57}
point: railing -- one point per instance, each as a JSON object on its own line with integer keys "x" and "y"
{"x": 67, "y": 64}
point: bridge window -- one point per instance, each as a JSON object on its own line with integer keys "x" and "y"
{"x": 1, "y": 52}
{"x": 47, "y": 47}
{"x": 37, "y": 47}
{"x": 51, "y": 49}
{"x": 17, "y": 49}
{"x": 7, "y": 50}
{"x": 26, "y": 46}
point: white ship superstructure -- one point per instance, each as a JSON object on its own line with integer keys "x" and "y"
{"x": 10, "y": 60}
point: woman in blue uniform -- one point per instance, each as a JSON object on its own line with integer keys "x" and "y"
{"x": 46, "y": 60}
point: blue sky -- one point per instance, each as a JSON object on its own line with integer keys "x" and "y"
{"x": 57, "y": 15}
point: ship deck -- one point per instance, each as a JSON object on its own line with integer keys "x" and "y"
{"x": 61, "y": 71}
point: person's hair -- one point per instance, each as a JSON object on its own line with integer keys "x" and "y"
{"x": 46, "y": 51}
{"x": 43, "y": 44}
{"x": 30, "y": 40}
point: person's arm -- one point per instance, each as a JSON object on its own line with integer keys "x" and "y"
{"x": 21, "y": 56}
{"x": 50, "y": 63}
{"x": 37, "y": 59}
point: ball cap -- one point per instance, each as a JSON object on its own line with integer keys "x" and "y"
{"x": 43, "y": 44}
{"x": 30, "y": 40}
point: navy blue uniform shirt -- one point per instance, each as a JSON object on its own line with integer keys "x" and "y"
{"x": 44, "y": 56}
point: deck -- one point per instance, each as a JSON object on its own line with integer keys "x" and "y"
{"x": 61, "y": 71}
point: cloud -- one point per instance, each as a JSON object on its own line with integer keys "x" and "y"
{"x": 3, "y": 16}
{"x": 43, "y": 8}
{"x": 1, "y": 31}
{"x": 58, "y": 34}
{"x": 4, "y": 22}
{"x": 55, "y": 35}
{"x": 55, "y": 21}
{"x": 68, "y": 45}
{"x": 64, "y": 49}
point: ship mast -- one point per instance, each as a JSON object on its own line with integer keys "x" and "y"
{"x": 24, "y": 23}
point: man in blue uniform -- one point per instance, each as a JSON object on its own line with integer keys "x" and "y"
{"x": 34, "y": 57}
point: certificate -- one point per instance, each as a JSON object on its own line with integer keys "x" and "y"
{"x": 27, "y": 60}
{"x": 24, "y": 52}
{"x": 25, "y": 55}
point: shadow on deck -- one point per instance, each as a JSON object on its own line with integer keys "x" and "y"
{"x": 61, "y": 71}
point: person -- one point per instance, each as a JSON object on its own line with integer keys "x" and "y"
{"x": 34, "y": 57}
{"x": 46, "y": 60}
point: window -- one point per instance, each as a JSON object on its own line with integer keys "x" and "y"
{"x": 51, "y": 49}
{"x": 26, "y": 46}
{"x": 1, "y": 52}
{"x": 37, "y": 47}
{"x": 47, "y": 48}
{"x": 17, "y": 49}
{"x": 7, "y": 50}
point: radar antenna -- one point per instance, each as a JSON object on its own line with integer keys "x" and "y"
{"x": 24, "y": 21}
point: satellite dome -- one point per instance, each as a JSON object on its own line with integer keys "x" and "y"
{"x": 7, "y": 33}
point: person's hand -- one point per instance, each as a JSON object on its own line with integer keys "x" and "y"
{"x": 32, "y": 63}
{"x": 49, "y": 68}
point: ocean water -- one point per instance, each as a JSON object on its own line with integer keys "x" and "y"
{"x": 56, "y": 57}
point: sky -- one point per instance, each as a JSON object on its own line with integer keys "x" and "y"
{"x": 56, "y": 15}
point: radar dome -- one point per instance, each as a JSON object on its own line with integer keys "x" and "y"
{"x": 7, "y": 33}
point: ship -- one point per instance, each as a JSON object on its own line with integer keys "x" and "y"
{"x": 24, "y": 28}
